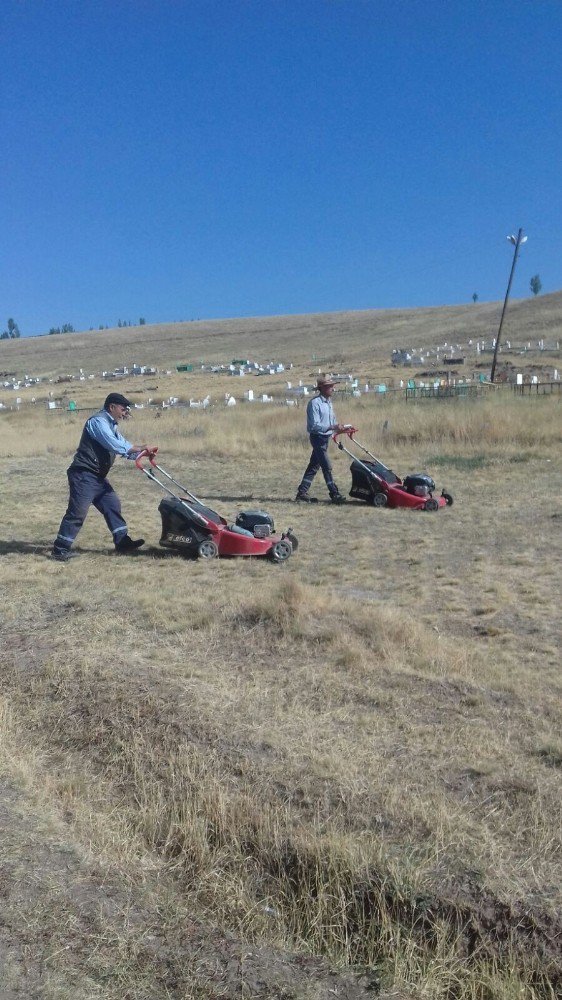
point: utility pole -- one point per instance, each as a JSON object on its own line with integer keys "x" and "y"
{"x": 517, "y": 241}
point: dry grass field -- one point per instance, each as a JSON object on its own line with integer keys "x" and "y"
{"x": 336, "y": 777}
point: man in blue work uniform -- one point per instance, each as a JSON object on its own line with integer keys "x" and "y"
{"x": 101, "y": 441}
{"x": 320, "y": 424}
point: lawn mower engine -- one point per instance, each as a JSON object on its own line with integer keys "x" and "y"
{"x": 257, "y": 522}
{"x": 419, "y": 485}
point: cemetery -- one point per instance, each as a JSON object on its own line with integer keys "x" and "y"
{"x": 440, "y": 378}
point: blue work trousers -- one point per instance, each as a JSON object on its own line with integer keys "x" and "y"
{"x": 85, "y": 489}
{"x": 319, "y": 460}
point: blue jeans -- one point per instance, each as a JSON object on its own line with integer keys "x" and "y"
{"x": 86, "y": 489}
{"x": 319, "y": 460}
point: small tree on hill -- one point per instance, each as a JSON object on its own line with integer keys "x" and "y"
{"x": 12, "y": 332}
{"x": 536, "y": 284}
{"x": 474, "y": 297}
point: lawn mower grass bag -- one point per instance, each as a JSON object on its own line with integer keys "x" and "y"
{"x": 363, "y": 486}
{"x": 180, "y": 529}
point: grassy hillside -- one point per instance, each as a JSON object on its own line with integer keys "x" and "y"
{"x": 355, "y": 336}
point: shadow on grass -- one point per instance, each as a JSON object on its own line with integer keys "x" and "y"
{"x": 149, "y": 552}
{"x": 222, "y": 498}
{"x": 12, "y": 546}
{"x": 17, "y": 547}
{"x": 284, "y": 500}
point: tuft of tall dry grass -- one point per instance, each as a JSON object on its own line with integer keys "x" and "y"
{"x": 502, "y": 426}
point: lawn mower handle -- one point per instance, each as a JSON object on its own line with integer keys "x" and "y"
{"x": 145, "y": 453}
{"x": 349, "y": 429}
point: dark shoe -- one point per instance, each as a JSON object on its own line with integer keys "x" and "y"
{"x": 338, "y": 498}
{"x": 304, "y": 498}
{"x": 127, "y": 545}
{"x": 63, "y": 555}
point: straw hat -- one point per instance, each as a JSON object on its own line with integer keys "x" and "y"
{"x": 324, "y": 381}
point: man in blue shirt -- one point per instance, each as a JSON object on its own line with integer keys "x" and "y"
{"x": 101, "y": 441}
{"x": 320, "y": 423}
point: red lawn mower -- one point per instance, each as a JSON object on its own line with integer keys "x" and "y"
{"x": 196, "y": 530}
{"x": 380, "y": 487}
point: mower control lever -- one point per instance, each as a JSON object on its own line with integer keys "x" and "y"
{"x": 146, "y": 453}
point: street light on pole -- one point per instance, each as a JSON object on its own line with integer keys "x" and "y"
{"x": 517, "y": 241}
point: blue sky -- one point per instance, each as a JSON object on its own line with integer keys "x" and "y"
{"x": 181, "y": 159}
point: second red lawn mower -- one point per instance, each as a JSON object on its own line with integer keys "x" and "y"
{"x": 379, "y": 486}
{"x": 195, "y": 530}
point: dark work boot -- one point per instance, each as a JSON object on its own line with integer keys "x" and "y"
{"x": 63, "y": 555}
{"x": 128, "y": 545}
{"x": 304, "y": 498}
{"x": 338, "y": 498}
